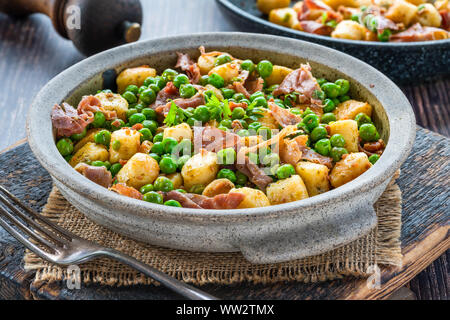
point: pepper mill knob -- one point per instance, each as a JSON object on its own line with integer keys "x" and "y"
{"x": 93, "y": 26}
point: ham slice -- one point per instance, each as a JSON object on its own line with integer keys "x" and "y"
{"x": 193, "y": 102}
{"x": 312, "y": 156}
{"x": 316, "y": 27}
{"x": 169, "y": 92}
{"x": 99, "y": 175}
{"x": 67, "y": 121}
{"x": 301, "y": 81}
{"x": 311, "y": 7}
{"x": 219, "y": 202}
{"x": 283, "y": 116}
{"x": 186, "y": 64}
{"x": 255, "y": 174}
{"x": 214, "y": 140}
{"x": 126, "y": 191}
{"x": 418, "y": 32}
{"x": 248, "y": 86}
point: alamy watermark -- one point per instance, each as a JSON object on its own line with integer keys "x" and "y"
{"x": 73, "y": 280}
{"x": 374, "y": 281}
{"x": 73, "y": 20}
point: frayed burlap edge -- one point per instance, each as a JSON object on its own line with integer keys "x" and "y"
{"x": 380, "y": 246}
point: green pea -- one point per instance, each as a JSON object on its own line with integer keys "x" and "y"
{"x": 321, "y": 81}
{"x": 265, "y": 68}
{"x": 256, "y": 95}
{"x": 344, "y": 98}
{"x": 227, "y": 93}
{"x": 172, "y": 203}
{"x": 148, "y": 96}
{"x": 202, "y": 114}
{"x": 168, "y": 165}
{"x": 116, "y": 145}
{"x": 385, "y": 35}
{"x": 311, "y": 121}
{"x": 160, "y": 82}
{"x": 180, "y": 80}
{"x": 271, "y": 160}
{"x": 204, "y": 80}
{"x": 222, "y": 59}
{"x": 155, "y": 156}
{"x": 362, "y": 118}
{"x": 169, "y": 75}
{"x": 344, "y": 85}
{"x": 130, "y": 112}
{"x": 238, "y": 97}
{"x": 142, "y": 89}
{"x": 216, "y": 81}
{"x": 226, "y": 156}
{"x": 328, "y": 117}
{"x": 260, "y": 102}
{"x": 99, "y": 120}
{"x": 241, "y": 178}
{"x": 265, "y": 132}
{"x": 227, "y": 174}
{"x": 153, "y": 87}
{"x": 169, "y": 144}
{"x": 243, "y": 133}
{"x": 136, "y": 118}
{"x": 153, "y": 197}
{"x": 130, "y": 97}
{"x": 253, "y": 157}
{"x": 319, "y": 94}
{"x": 146, "y": 189}
{"x": 149, "y": 81}
{"x": 323, "y": 147}
{"x": 181, "y": 191}
{"x": 65, "y": 146}
{"x": 98, "y": 164}
{"x": 332, "y": 90}
{"x": 158, "y": 148}
{"x": 163, "y": 184}
{"x": 152, "y": 125}
{"x": 182, "y": 161}
{"x": 117, "y": 124}
{"x": 318, "y": 133}
{"x": 368, "y": 132}
{"x": 139, "y": 107}
{"x": 248, "y": 65}
{"x": 149, "y": 114}
{"x": 337, "y": 152}
{"x": 158, "y": 138}
{"x": 238, "y": 113}
{"x": 337, "y": 140}
{"x": 285, "y": 171}
{"x": 103, "y": 137}
{"x": 254, "y": 126}
{"x": 146, "y": 134}
{"x": 223, "y": 128}
{"x": 374, "y": 158}
{"x": 79, "y": 136}
{"x": 115, "y": 168}
{"x": 328, "y": 106}
{"x": 296, "y": 112}
{"x": 187, "y": 91}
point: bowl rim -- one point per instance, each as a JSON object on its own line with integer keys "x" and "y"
{"x": 232, "y": 8}
{"x": 66, "y": 82}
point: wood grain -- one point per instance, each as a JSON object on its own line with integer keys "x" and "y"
{"x": 424, "y": 236}
{"x": 31, "y": 53}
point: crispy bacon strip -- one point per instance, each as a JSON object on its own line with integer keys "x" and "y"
{"x": 126, "y": 191}
{"x": 186, "y": 64}
{"x": 315, "y": 27}
{"x": 228, "y": 201}
{"x": 67, "y": 121}
{"x": 89, "y": 105}
{"x": 283, "y": 116}
{"x": 248, "y": 86}
{"x": 169, "y": 92}
{"x": 420, "y": 33}
{"x": 301, "y": 81}
{"x": 255, "y": 174}
{"x": 99, "y": 175}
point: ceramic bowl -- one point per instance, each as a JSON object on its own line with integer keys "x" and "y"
{"x": 405, "y": 63}
{"x": 264, "y": 235}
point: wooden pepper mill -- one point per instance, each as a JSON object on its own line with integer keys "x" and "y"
{"x": 92, "y": 25}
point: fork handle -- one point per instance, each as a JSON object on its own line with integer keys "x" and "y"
{"x": 179, "y": 287}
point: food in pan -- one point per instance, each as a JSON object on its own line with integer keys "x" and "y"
{"x": 219, "y": 133}
{"x": 369, "y": 20}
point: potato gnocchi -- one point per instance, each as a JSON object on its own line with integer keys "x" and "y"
{"x": 221, "y": 132}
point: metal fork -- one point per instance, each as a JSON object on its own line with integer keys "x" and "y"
{"x": 54, "y": 244}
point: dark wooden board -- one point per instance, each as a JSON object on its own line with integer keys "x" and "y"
{"x": 424, "y": 235}
{"x": 31, "y": 53}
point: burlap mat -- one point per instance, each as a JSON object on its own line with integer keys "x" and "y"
{"x": 380, "y": 246}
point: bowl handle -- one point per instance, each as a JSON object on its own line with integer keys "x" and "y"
{"x": 310, "y": 239}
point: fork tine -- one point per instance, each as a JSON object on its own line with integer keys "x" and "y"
{"x": 27, "y": 243}
{"x": 37, "y": 216}
{"x": 31, "y": 222}
{"x": 13, "y": 220}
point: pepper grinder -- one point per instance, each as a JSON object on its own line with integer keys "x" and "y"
{"x": 92, "y": 25}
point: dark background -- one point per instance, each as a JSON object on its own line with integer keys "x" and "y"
{"x": 31, "y": 53}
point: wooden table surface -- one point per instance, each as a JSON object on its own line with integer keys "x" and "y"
{"x": 31, "y": 53}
